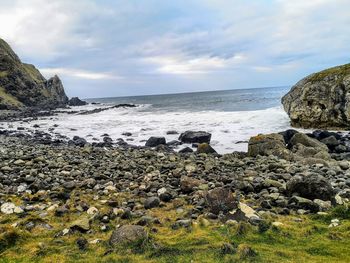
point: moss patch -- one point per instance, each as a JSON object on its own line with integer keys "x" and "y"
{"x": 8, "y": 99}
{"x": 340, "y": 71}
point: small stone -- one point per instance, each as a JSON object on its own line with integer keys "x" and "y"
{"x": 152, "y": 202}
{"x": 18, "y": 210}
{"x": 65, "y": 231}
{"x": 118, "y": 211}
{"x": 21, "y": 188}
{"x": 277, "y": 224}
{"x": 111, "y": 188}
{"x": 334, "y": 223}
{"x": 8, "y": 208}
{"x": 92, "y": 211}
{"x": 82, "y": 224}
{"x": 344, "y": 165}
{"x": 95, "y": 241}
{"x": 186, "y": 223}
{"x": 82, "y": 243}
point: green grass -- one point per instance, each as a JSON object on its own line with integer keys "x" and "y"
{"x": 3, "y": 74}
{"x": 310, "y": 240}
{"x": 341, "y": 71}
{"x": 8, "y": 99}
{"x": 33, "y": 72}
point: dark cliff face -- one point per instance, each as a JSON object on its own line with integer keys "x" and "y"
{"x": 22, "y": 85}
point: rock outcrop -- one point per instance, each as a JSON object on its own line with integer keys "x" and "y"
{"x": 22, "y": 85}
{"x": 321, "y": 100}
{"x": 75, "y": 101}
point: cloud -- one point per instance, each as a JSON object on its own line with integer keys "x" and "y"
{"x": 78, "y": 73}
{"x": 158, "y": 45}
{"x": 198, "y": 65}
{"x": 47, "y": 29}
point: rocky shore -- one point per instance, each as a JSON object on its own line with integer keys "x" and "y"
{"x": 96, "y": 189}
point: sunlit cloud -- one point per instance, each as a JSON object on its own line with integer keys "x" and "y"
{"x": 199, "y": 65}
{"x": 77, "y": 73}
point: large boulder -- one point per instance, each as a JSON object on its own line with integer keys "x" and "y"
{"x": 268, "y": 144}
{"x": 195, "y": 137}
{"x": 128, "y": 234}
{"x": 155, "y": 141}
{"x": 221, "y": 200}
{"x": 304, "y": 146}
{"x": 301, "y": 138}
{"x": 205, "y": 148}
{"x": 321, "y": 100}
{"x": 22, "y": 85}
{"x": 311, "y": 187}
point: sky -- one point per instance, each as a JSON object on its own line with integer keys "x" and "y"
{"x": 107, "y": 48}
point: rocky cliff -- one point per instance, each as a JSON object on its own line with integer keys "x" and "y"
{"x": 321, "y": 100}
{"x": 22, "y": 85}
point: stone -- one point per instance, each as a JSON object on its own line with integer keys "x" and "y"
{"x": 172, "y": 132}
{"x": 320, "y": 100}
{"x": 151, "y": 202}
{"x": 188, "y": 184}
{"x": 334, "y": 223}
{"x": 155, "y": 141}
{"x": 78, "y": 141}
{"x": 301, "y": 138}
{"x": 268, "y": 144}
{"x": 82, "y": 224}
{"x": 75, "y": 101}
{"x": 195, "y": 137}
{"x": 186, "y": 150}
{"x": 244, "y": 213}
{"x": 323, "y": 205}
{"x": 304, "y": 204}
{"x": 277, "y": 224}
{"x": 344, "y": 165}
{"x": 92, "y": 211}
{"x": 128, "y": 234}
{"x": 205, "y": 148}
{"x": 82, "y": 243}
{"x": 331, "y": 142}
{"x": 7, "y": 208}
{"x": 221, "y": 200}
{"x": 312, "y": 187}
{"x": 186, "y": 223}
{"x": 164, "y": 195}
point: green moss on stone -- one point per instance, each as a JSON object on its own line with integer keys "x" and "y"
{"x": 340, "y": 71}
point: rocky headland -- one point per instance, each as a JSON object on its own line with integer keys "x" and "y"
{"x": 23, "y": 86}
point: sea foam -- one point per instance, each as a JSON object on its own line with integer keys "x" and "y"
{"x": 230, "y": 130}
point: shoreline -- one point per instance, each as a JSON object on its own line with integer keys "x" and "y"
{"x": 134, "y": 126}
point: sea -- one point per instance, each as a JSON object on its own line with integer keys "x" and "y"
{"x": 231, "y": 116}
